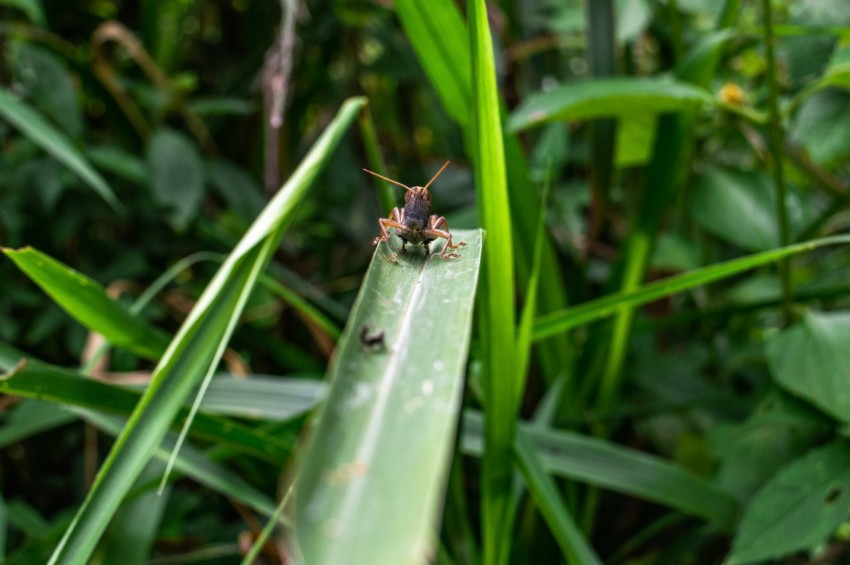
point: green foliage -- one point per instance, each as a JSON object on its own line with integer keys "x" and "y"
{"x": 655, "y": 371}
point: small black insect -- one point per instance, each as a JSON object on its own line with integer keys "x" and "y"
{"x": 371, "y": 340}
{"x": 414, "y": 223}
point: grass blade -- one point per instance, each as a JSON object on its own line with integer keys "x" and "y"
{"x": 370, "y": 486}
{"x": 498, "y": 324}
{"x": 42, "y": 133}
{"x": 87, "y": 302}
{"x": 33, "y": 379}
{"x": 546, "y": 497}
{"x": 604, "y": 464}
{"x": 194, "y": 350}
{"x": 611, "y": 304}
{"x": 441, "y": 43}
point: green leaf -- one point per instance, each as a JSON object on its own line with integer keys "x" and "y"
{"x": 45, "y": 81}
{"x": 802, "y": 505}
{"x": 620, "y": 469}
{"x": 194, "y": 463}
{"x": 812, "y": 361}
{"x": 236, "y": 187}
{"x": 497, "y": 320}
{"x": 370, "y": 486}
{"x": 32, "y": 8}
{"x": 819, "y": 126}
{"x": 87, "y": 302}
{"x": 548, "y": 500}
{"x": 195, "y": 351}
{"x": 9, "y": 356}
{"x": 437, "y": 32}
{"x": 43, "y": 134}
{"x": 177, "y": 175}
{"x": 604, "y": 98}
{"x": 34, "y": 379}
{"x": 635, "y": 139}
{"x": 31, "y": 417}
{"x": 738, "y": 207}
{"x": 609, "y": 305}
{"x": 779, "y": 429}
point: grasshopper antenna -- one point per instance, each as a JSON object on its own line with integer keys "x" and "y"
{"x": 438, "y": 174}
{"x": 391, "y": 180}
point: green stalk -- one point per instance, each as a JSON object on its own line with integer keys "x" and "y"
{"x": 498, "y": 323}
{"x": 663, "y": 175}
{"x": 776, "y": 148}
{"x": 375, "y": 158}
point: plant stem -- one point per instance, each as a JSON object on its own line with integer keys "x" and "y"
{"x": 775, "y": 142}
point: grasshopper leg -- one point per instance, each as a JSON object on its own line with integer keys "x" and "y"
{"x": 434, "y": 231}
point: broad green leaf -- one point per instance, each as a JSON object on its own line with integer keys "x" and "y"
{"x": 605, "y": 464}
{"x": 497, "y": 321}
{"x": 196, "y": 350}
{"x": 43, "y": 134}
{"x": 802, "y": 505}
{"x": 818, "y": 126}
{"x": 87, "y": 302}
{"x": 779, "y": 429}
{"x": 370, "y": 486}
{"x": 609, "y": 305}
{"x": 177, "y": 175}
{"x": 604, "y": 98}
{"x": 812, "y": 361}
{"x": 635, "y": 139}
{"x": 740, "y": 207}
{"x": 33, "y": 379}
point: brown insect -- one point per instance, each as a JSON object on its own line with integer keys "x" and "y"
{"x": 414, "y": 223}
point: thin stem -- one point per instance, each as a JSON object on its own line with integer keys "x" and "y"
{"x": 776, "y": 148}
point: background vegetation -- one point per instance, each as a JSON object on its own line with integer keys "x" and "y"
{"x": 618, "y": 408}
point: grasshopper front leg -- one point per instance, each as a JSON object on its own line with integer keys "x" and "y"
{"x": 394, "y": 220}
{"x": 434, "y": 231}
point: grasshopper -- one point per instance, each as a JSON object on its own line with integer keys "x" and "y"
{"x": 413, "y": 223}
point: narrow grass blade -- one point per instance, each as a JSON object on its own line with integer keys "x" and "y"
{"x": 611, "y": 304}
{"x": 197, "y": 347}
{"x": 55, "y": 142}
{"x": 498, "y": 324}
{"x": 193, "y": 463}
{"x": 370, "y": 486}
{"x": 87, "y": 302}
{"x": 33, "y": 379}
{"x": 30, "y": 417}
{"x": 439, "y": 37}
{"x": 601, "y": 463}
{"x": 440, "y": 40}
{"x": 548, "y": 500}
